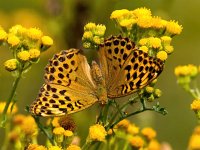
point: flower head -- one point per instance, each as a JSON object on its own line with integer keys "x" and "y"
{"x": 144, "y": 21}
{"x": 36, "y": 147}
{"x": 140, "y": 12}
{"x": 195, "y": 105}
{"x": 90, "y": 26}
{"x": 144, "y": 49}
{"x": 67, "y": 123}
{"x": 29, "y": 127}
{"x": 58, "y": 130}
{"x": 136, "y": 141}
{"x": 97, "y": 133}
{"x": 11, "y": 64}
{"x": 34, "y": 33}
{"x": 68, "y": 133}
{"x": 34, "y": 53}
{"x": 162, "y": 55}
{"x": 173, "y": 27}
{"x": 169, "y": 49}
{"x": 55, "y": 122}
{"x": 143, "y": 41}
{"x": 149, "y": 133}
{"x": 13, "y": 40}
{"x": 166, "y": 40}
{"x": 119, "y": 13}
{"x": 149, "y": 89}
{"x": 186, "y": 70}
{"x": 23, "y": 55}
{"x": 123, "y": 124}
{"x": 157, "y": 93}
{"x": 194, "y": 143}
{"x": 154, "y": 145}
{"x": 47, "y": 41}
{"x": 154, "y": 42}
{"x": 18, "y": 119}
{"x": 73, "y": 147}
{"x": 156, "y": 22}
{"x": 133, "y": 129}
{"x": 3, "y": 35}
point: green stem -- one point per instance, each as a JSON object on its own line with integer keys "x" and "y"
{"x": 131, "y": 114}
{"x": 45, "y": 131}
{"x": 6, "y": 139}
{"x": 12, "y": 94}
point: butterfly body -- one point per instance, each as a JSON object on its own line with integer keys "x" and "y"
{"x": 71, "y": 85}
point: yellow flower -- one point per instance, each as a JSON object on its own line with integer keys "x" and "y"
{"x": 90, "y": 26}
{"x": 173, "y": 27}
{"x": 144, "y": 21}
{"x": 195, "y": 105}
{"x": 36, "y": 147}
{"x": 141, "y": 12}
{"x": 149, "y": 89}
{"x": 3, "y": 35}
{"x": 127, "y": 23}
{"x": 18, "y": 119}
{"x": 197, "y": 130}
{"x": 154, "y": 42}
{"x": 96, "y": 40}
{"x": 149, "y": 133}
{"x": 87, "y": 45}
{"x": 29, "y": 127}
{"x": 23, "y": 55}
{"x": 136, "y": 141}
{"x": 144, "y": 49}
{"x": 17, "y": 29}
{"x": 157, "y": 92}
{"x": 55, "y": 122}
{"x": 11, "y": 64}
{"x": 169, "y": 49}
{"x": 154, "y": 145}
{"x": 156, "y": 22}
{"x": 186, "y": 70}
{"x": 87, "y": 35}
{"x": 194, "y": 143}
{"x": 14, "y": 109}
{"x": 34, "y": 33}
{"x": 46, "y": 40}
{"x": 13, "y": 40}
{"x": 54, "y": 148}
{"x": 73, "y": 147}
{"x": 68, "y": 133}
{"x": 143, "y": 41}
{"x": 119, "y": 13}
{"x": 97, "y": 133}
{"x": 162, "y": 55}
{"x": 34, "y": 53}
{"x": 58, "y": 130}
{"x": 123, "y": 124}
{"x": 133, "y": 129}
{"x": 100, "y": 30}
{"x": 166, "y": 40}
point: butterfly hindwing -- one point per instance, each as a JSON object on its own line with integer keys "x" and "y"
{"x": 135, "y": 68}
{"x": 68, "y": 86}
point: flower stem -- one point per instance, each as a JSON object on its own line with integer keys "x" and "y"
{"x": 12, "y": 94}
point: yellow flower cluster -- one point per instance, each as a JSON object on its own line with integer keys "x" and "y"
{"x": 161, "y": 45}
{"x": 93, "y": 35}
{"x": 97, "y": 133}
{"x": 151, "y": 33}
{"x": 186, "y": 70}
{"x": 194, "y": 142}
{"x": 142, "y": 17}
{"x": 63, "y": 128}
{"x": 26, "y": 43}
{"x": 138, "y": 139}
{"x": 41, "y": 147}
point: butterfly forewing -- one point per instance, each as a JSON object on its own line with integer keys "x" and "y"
{"x": 68, "y": 86}
{"x": 135, "y": 68}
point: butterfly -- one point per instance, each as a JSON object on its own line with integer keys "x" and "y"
{"x": 72, "y": 85}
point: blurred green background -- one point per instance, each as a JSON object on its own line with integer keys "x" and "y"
{"x": 64, "y": 21}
